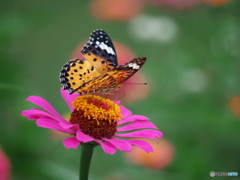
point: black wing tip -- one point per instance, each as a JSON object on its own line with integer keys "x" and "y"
{"x": 142, "y": 58}
{"x": 85, "y": 50}
{"x": 139, "y": 60}
{"x": 96, "y": 31}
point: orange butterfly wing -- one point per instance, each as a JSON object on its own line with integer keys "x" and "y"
{"x": 112, "y": 80}
{"x": 75, "y": 72}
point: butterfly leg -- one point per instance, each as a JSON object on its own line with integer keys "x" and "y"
{"x": 110, "y": 90}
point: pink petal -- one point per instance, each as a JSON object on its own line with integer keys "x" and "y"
{"x": 107, "y": 147}
{"x": 84, "y": 137}
{"x": 117, "y": 102}
{"x": 45, "y": 105}
{"x": 133, "y": 118}
{"x": 136, "y": 125}
{"x": 146, "y": 133}
{"x": 47, "y": 123}
{"x": 52, "y": 124}
{"x": 66, "y": 125}
{"x": 125, "y": 112}
{"x": 75, "y": 127}
{"x": 142, "y": 144}
{"x": 122, "y": 145}
{"x": 68, "y": 98}
{"x": 34, "y": 114}
{"x": 71, "y": 142}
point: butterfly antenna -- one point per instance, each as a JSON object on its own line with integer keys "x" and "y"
{"x": 136, "y": 83}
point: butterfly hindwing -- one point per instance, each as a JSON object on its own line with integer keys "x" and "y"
{"x": 104, "y": 83}
{"x": 77, "y": 72}
{"x": 100, "y": 51}
{"x": 112, "y": 80}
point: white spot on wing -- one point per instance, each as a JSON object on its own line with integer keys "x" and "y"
{"x": 103, "y": 46}
{"x": 133, "y": 65}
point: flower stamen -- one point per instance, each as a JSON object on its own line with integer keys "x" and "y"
{"x": 96, "y": 116}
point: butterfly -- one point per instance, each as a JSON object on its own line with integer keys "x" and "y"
{"x": 99, "y": 71}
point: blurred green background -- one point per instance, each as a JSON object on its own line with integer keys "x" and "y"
{"x": 193, "y": 74}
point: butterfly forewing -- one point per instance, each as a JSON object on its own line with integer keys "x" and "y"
{"x": 100, "y": 51}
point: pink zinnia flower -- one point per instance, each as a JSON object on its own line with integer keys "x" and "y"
{"x": 160, "y": 158}
{"x": 5, "y": 166}
{"x": 95, "y": 119}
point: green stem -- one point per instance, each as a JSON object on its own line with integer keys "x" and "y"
{"x": 85, "y": 161}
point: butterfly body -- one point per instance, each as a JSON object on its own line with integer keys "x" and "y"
{"x": 100, "y": 71}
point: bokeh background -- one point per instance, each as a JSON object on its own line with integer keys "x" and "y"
{"x": 192, "y": 70}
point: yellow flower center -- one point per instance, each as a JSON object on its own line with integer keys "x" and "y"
{"x": 96, "y": 116}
